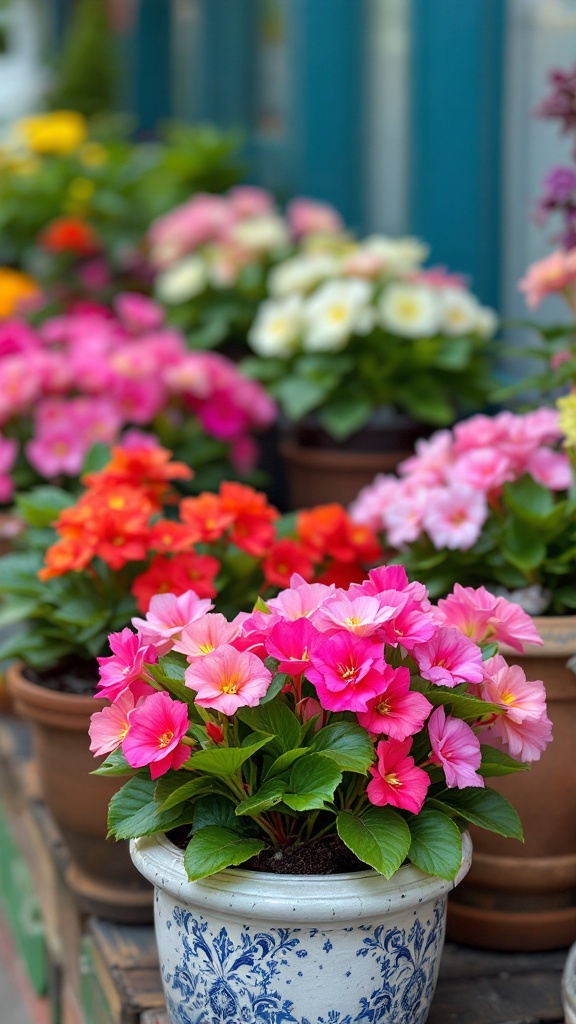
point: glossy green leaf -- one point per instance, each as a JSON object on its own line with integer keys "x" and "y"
{"x": 134, "y": 812}
{"x": 348, "y": 744}
{"x": 483, "y": 807}
{"x": 380, "y": 837}
{"x": 436, "y": 846}
{"x": 216, "y": 847}
{"x": 224, "y": 761}
{"x": 313, "y": 780}
{"x": 269, "y": 794}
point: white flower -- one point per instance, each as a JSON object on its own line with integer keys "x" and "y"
{"x": 333, "y": 313}
{"x": 487, "y": 322}
{"x": 398, "y": 255}
{"x": 181, "y": 281}
{"x": 300, "y": 274}
{"x": 459, "y": 311}
{"x": 277, "y": 327}
{"x": 410, "y": 310}
{"x": 263, "y": 234}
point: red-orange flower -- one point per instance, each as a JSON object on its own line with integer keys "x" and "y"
{"x": 167, "y": 535}
{"x": 327, "y": 531}
{"x": 285, "y": 558}
{"x": 206, "y": 513}
{"x": 188, "y": 571}
{"x": 150, "y": 469}
{"x": 252, "y": 530}
{"x": 67, "y": 555}
{"x": 70, "y": 234}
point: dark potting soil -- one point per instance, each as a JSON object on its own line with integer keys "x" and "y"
{"x": 324, "y": 856}
{"x": 70, "y": 676}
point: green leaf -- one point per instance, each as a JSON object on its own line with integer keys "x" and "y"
{"x": 16, "y": 609}
{"x": 528, "y": 498}
{"x": 462, "y": 705}
{"x": 213, "y": 810}
{"x": 348, "y": 744}
{"x": 96, "y": 458}
{"x": 342, "y": 417}
{"x": 224, "y": 761}
{"x": 523, "y": 546}
{"x": 283, "y": 763}
{"x": 313, "y": 780}
{"x": 483, "y": 807}
{"x": 134, "y": 812}
{"x": 189, "y": 790}
{"x": 275, "y": 719}
{"x": 261, "y": 606}
{"x": 214, "y": 848}
{"x": 42, "y": 506}
{"x": 115, "y": 764}
{"x": 436, "y": 846}
{"x": 298, "y": 396}
{"x": 267, "y": 796}
{"x": 380, "y": 837}
{"x": 277, "y": 684}
{"x": 496, "y": 762}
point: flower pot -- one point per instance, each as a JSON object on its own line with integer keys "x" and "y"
{"x": 523, "y": 896}
{"x": 320, "y": 469}
{"x": 100, "y": 872}
{"x": 250, "y": 946}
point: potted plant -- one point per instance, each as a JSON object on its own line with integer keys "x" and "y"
{"x": 91, "y": 375}
{"x": 332, "y": 743}
{"x": 125, "y": 539}
{"x": 364, "y": 351}
{"x": 491, "y": 504}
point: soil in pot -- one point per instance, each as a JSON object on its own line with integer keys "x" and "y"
{"x": 101, "y": 874}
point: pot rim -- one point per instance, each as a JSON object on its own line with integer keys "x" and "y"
{"x": 305, "y": 898}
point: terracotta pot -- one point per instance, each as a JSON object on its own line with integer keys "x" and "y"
{"x": 523, "y": 896}
{"x": 100, "y": 874}
{"x": 320, "y": 469}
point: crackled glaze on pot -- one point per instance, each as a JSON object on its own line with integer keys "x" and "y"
{"x": 246, "y": 947}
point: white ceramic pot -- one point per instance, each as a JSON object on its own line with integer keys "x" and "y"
{"x": 245, "y": 947}
{"x": 569, "y": 987}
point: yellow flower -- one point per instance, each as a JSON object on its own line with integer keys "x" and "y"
{"x": 14, "y": 287}
{"x": 58, "y": 132}
{"x": 92, "y": 154}
{"x": 567, "y": 419}
{"x": 80, "y": 190}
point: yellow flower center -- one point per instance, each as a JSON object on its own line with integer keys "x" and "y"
{"x": 165, "y": 739}
{"x": 392, "y": 779}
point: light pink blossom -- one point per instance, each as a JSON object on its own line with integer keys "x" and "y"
{"x": 109, "y": 727}
{"x": 205, "y": 635}
{"x": 524, "y": 729}
{"x": 167, "y": 616}
{"x": 227, "y": 679}
{"x": 454, "y": 517}
{"x": 126, "y": 667}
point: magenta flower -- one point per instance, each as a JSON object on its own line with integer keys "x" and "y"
{"x": 301, "y": 599}
{"x": 396, "y": 779}
{"x": 346, "y": 671}
{"x": 167, "y": 616}
{"x": 109, "y": 727}
{"x": 228, "y": 679}
{"x": 138, "y": 313}
{"x": 456, "y": 748}
{"x": 397, "y": 711}
{"x": 293, "y": 643}
{"x": 449, "y": 658}
{"x": 126, "y": 667}
{"x": 157, "y": 726}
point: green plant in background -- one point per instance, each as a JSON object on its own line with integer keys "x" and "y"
{"x": 85, "y": 70}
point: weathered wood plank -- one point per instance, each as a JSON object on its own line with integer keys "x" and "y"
{"x": 529, "y": 998}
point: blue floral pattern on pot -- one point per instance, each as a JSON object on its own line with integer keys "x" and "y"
{"x": 227, "y": 973}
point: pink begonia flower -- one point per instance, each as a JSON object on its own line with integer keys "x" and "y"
{"x": 201, "y": 219}
{"x": 167, "y": 616}
{"x": 307, "y": 216}
{"x": 456, "y": 748}
{"x": 397, "y": 711}
{"x": 360, "y": 614}
{"x": 449, "y": 658}
{"x": 551, "y": 469}
{"x": 200, "y": 637}
{"x": 250, "y": 201}
{"x": 55, "y": 453}
{"x": 138, "y": 313}
{"x": 19, "y": 385}
{"x": 301, "y": 599}
{"x": 109, "y": 727}
{"x": 346, "y": 671}
{"x": 293, "y": 643}
{"x": 157, "y": 726}
{"x": 228, "y": 679}
{"x": 134, "y": 439}
{"x": 8, "y": 454}
{"x": 392, "y": 577}
{"x": 413, "y": 624}
{"x": 309, "y": 708}
{"x": 369, "y": 504}
{"x": 454, "y": 517}
{"x": 551, "y": 274}
{"x": 432, "y": 457}
{"x": 402, "y": 519}
{"x": 485, "y": 469}
{"x": 484, "y": 618}
{"x": 221, "y": 417}
{"x": 244, "y": 453}
{"x": 126, "y": 666}
{"x": 396, "y": 779}
{"x": 524, "y": 729}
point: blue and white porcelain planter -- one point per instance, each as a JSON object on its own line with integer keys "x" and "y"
{"x": 245, "y": 947}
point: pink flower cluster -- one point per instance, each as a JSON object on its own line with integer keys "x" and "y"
{"x": 359, "y": 649}
{"x": 447, "y": 488}
{"x": 85, "y": 377}
{"x": 554, "y": 274}
{"x": 235, "y": 229}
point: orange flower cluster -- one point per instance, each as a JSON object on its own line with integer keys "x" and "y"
{"x": 215, "y": 537}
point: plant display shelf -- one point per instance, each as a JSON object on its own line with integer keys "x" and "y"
{"x": 97, "y": 972}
